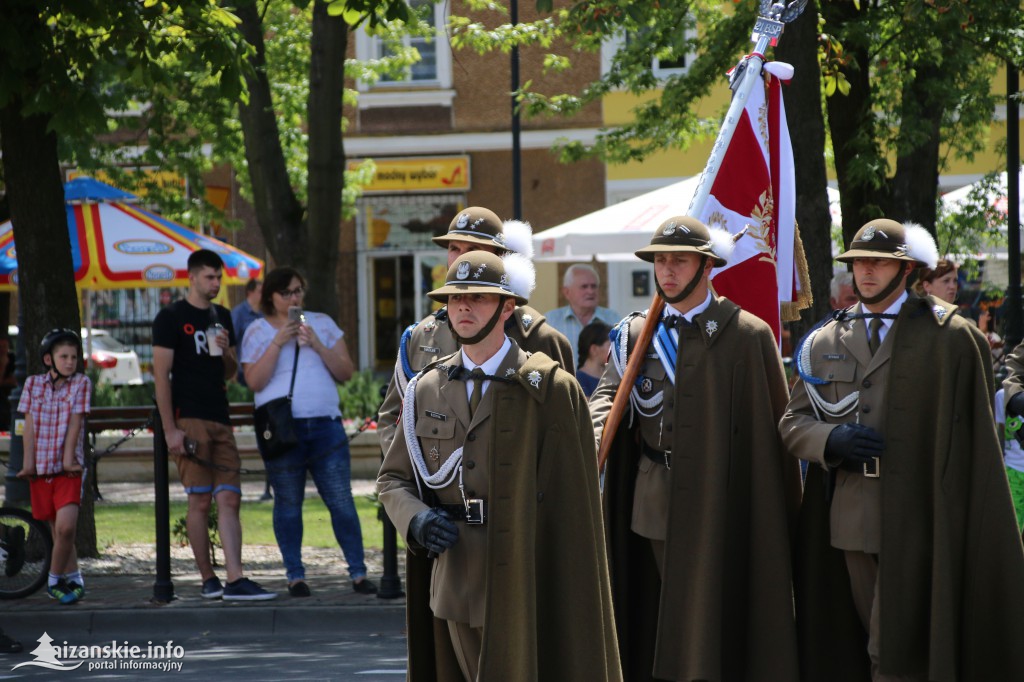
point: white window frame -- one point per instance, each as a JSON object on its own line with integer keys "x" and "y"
{"x": 610, "y": 47}
{"x": 435, "y": 91}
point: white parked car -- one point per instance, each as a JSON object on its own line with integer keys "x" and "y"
{"x": 118, "y": 364}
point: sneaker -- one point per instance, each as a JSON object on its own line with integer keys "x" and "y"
{"x": 299, "y": 589}
{"x": 244, "y": 589}
{"x": 77, "y": 590}
{"x": 212, "y": 589}
{"x": 61, "y": 592}
{"x": 15, "y": 542}
{"x": 364, "y": 586}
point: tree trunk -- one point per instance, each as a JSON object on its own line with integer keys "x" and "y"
{"x": 860, "y": 165}
{"x": 326, "y": 162}
{"x": 799, "y": 47}
{"x": 278, "y": 212}
{"x": 46, "y": 276}
{"x": 917, "y": 163}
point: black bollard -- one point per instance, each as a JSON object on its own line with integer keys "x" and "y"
{"x": 390, "y": 582}
{"x": 163, "y": 588}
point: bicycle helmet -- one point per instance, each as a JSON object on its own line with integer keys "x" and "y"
{"x": 53, "y": 337}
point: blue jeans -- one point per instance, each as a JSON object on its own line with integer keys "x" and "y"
{"x": 323, "y": 452}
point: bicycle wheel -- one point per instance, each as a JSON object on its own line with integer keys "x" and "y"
{"x": 25, "y": 550}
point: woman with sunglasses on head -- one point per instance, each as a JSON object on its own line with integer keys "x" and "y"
{"x": 268, "y": 356}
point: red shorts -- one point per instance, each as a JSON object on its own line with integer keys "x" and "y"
{"x": 50, "y": 493}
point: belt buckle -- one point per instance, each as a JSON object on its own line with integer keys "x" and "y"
{"x": 476, "y": 512}
{"x": 876, "y": 468}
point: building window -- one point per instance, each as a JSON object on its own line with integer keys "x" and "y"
{"x": 661, "y": 68}
{"x": 433, "y": 70}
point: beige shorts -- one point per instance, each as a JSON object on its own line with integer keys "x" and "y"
{"x": 215, "y": 446}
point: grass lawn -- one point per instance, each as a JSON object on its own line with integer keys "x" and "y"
{"x": 133, "y": 523}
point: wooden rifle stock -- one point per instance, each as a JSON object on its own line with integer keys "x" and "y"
{"x": 611, "y": 422}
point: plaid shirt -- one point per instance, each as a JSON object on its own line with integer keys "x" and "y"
{"x": 51, "y": 413}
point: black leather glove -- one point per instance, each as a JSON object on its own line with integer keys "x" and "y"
{"x": 853, "y": 443}
{"x": 434, "y": 529}
{"x": 1016, "y": 405}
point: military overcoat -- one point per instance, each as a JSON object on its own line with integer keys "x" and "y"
{"x": 547, "y": 613}
{"x": 726, "y": 612}
{"x": 951, "y": 564}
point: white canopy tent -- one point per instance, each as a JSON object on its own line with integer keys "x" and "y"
{"x": 952, "y": 201}
{"x": 615, "y": 232}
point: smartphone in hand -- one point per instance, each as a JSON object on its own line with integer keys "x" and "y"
{"x": 295, "y": 314}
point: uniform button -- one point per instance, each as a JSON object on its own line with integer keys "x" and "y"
{"x": 866, "y": 383}
{"x": 470, "y": 464}
{"x": 540, "y": 497}
{"x": 471, "y": 437}
{"x": 434, "y": 430}
{"x": 865, "y": 409}
{"x": 831, "y": 375}
{"x": 669, "y": 428}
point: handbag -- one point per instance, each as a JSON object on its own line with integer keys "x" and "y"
{"x": 275, "y": 426}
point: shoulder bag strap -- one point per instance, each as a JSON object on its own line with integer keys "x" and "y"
{"x": 295, "y": 364}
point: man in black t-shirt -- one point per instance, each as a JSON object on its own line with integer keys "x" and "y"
{"x": 193, "y": 355}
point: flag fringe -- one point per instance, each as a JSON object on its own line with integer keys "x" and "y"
{"x": 790, "y": 310}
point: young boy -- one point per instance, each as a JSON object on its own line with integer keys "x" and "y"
{"x": 55, "y": 404}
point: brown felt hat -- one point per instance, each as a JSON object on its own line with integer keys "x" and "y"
{"x": 482, "y": 272}
{"x": 884, "y": 238}
{"x": 477, "y": 225}
{"x": 683, "y": 233}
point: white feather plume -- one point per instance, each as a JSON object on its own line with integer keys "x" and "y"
{"x": 518, "y": 237}
{"x": 721, "y": 242}
{"x": 921, "y": 245}
{"x": 522, "y": 276}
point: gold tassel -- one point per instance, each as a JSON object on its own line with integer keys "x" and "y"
{"x": 790, "y": 310}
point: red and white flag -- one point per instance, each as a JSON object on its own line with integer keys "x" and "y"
{"x": 755, "y": 189}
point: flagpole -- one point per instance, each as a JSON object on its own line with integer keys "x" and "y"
{"x": 770, "y": 23}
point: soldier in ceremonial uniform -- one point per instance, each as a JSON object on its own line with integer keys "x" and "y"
{"x": 493, "y": 474}
{"x": 699, "y": 495}
{"x": 907, "y": 538}
{"x": 473, "y": 229}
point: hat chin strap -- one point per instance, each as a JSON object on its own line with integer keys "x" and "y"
{"x": 482, "y": 334}
{"x": 881, "y": 295}
{"x": 688, "y": 289}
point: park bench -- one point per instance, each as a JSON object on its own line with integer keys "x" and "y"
{"x": 132, "y": 420}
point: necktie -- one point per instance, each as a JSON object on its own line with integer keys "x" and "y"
{"x": 875, "y": 335}
{"x": 477, "y": 377}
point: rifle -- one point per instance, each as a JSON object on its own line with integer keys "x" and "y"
{"x": 768, "y": 28}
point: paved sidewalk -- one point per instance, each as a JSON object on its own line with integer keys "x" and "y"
{"x": 125, "y": 602}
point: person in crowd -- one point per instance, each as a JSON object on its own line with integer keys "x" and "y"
{"x": 493, "y": 475}
{"x": 841, "y": 294}
{"x": 55, "y": 404}
{"x": 1012, "y": 431}
{"x": 593, "y": 355}
{"x": 939, "y": 281}
{"x": 268, "y": 359}
{"x": 580, "y": 286}
{"x": 908, "y": 557}
{"x": 245, "y": 313}
{"x": 193, "y": 357}
{"x": 699, "y": 496}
